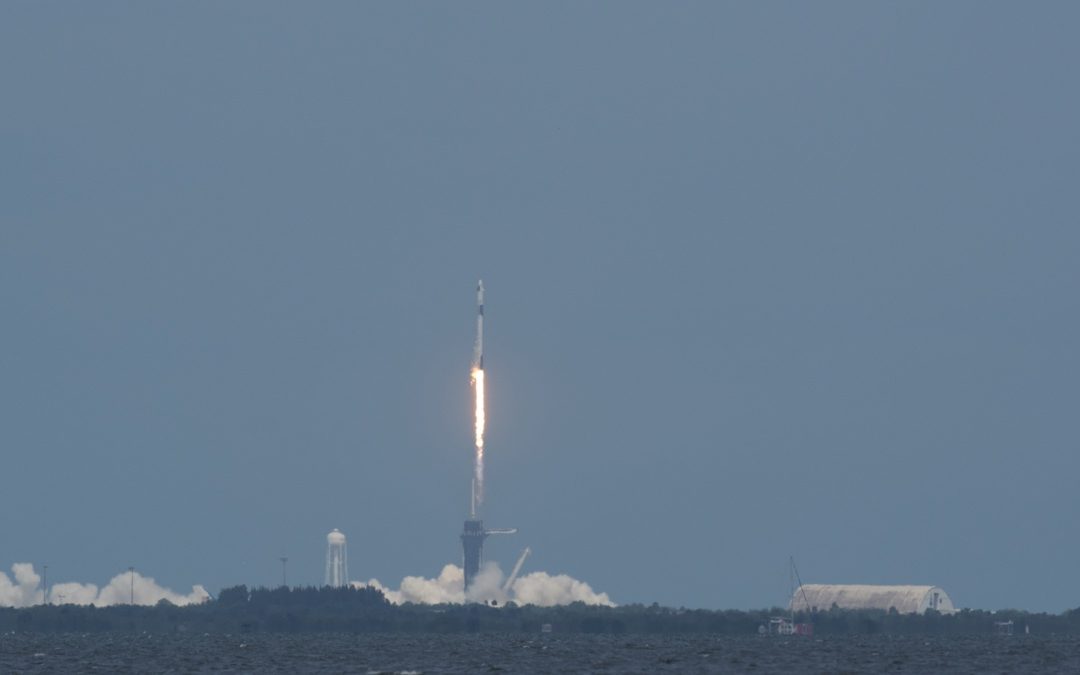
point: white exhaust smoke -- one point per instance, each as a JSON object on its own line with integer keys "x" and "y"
{"x": 26, "y": 591}
{"x": 544, "y": 590}
{"x": 537, "y": 588}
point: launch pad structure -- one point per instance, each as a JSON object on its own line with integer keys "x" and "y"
{"x": 473, "y": 533}
{"x": 472, "y": 541}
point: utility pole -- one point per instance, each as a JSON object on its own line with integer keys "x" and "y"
{"x": 131, "y": 571}
{"x": 284, "y": 580}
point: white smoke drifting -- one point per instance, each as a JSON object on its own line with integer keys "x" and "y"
{"x": 544, "y": 590}
{"x": 26, "y": 591}
{"x": 538, "y": 588}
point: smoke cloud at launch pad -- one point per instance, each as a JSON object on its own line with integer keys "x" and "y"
{"x": 536, "y": 588}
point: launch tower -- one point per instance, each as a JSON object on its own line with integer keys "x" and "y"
{"x": 472, "y": 540}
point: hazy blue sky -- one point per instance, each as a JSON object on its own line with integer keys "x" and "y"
{"x": 763, "y": 279}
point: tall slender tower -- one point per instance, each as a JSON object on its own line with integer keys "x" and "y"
{"x": 337, "y": 560}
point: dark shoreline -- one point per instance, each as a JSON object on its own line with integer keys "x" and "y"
{"x": 311, "y": 610}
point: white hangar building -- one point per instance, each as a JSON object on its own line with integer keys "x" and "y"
{"x": 905, "y": 599}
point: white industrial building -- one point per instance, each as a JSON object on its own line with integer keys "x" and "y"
{"x": 904, "y": 599}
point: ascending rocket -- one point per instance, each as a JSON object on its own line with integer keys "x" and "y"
{"x": 478, "y": 355}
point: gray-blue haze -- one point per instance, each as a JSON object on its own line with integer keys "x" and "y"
{"x": 763, "y": 278}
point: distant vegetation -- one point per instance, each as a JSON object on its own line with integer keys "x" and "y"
{"x": 238, "y": 610}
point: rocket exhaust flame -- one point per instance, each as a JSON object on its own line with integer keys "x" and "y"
{"x": 478, "y": 484}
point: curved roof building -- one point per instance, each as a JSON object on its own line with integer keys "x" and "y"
{"x": 905, "y": 599}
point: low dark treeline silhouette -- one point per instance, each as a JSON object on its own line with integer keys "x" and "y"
{"x": 366, "y": 610}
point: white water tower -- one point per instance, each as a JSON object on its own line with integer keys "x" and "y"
{"x": 337, "y": 560}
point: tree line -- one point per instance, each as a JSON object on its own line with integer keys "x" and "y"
{"x": 366, "y": 610}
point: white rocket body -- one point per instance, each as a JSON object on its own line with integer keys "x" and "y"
{"x": 478, "y": 352}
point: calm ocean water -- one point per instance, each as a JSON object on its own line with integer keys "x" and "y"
{"x": 111, "y": 653}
